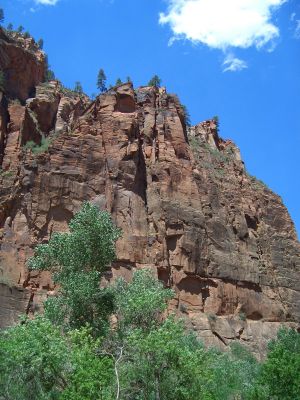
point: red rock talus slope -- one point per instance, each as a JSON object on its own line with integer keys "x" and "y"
{"x": 183, "y": 199}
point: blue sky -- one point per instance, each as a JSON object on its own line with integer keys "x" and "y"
{"x": 238, "y": 59}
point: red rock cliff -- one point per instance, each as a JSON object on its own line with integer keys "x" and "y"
{"x": 187, "y": 208}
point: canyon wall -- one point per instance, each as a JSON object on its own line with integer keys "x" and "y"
{"x": 181, "y": 195}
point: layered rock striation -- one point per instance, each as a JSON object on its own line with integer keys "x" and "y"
{"x": 186, "y": 205}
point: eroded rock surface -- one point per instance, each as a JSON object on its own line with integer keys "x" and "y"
{"x": 221, "y": 239}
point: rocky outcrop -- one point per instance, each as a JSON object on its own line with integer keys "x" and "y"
{"x": 23, "y": 65}
{"x": 186, "y": 205}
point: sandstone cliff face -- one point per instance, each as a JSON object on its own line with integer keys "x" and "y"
{"x": 188, "y": 209}
{"x": 23, "y": 65}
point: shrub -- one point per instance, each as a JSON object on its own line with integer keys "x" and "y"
{"x": 38, "y": 149}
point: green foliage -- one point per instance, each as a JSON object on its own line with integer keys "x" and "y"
{"x": 217, "y": 122}
{"x": 49, "y": 74}
{"x": 10, "y": 27}
{"x": 20, "y": 29}
{"x": 33, "y": 361}
{"x": 242, "y": 316}
{"x": 38, "y": 149}
{"x": 280, "y": 373}
{"x": 40, "y": 44}
{"x": 101, "y": 81}
{"x": 155, "y": 81}
{"x": 26, "y": 35}
{"x": 256, "y": 183}
{"x": 1, "y": 15}
{"x": 118, "y": 82}
{"x": 128, "y": 79}
{"x": 91, "y": 373}
{"x": 165, "y": 363}
{"x": 38, "y": 362}
{"x": 78, "y": 88}
{"x": 186, "y": 115}
{"x": 140, "y": 302}
{"x": 233, "y": 374}
{"x": 5, "y": 174}
{"x": 77, "y": 261}
{"x": 2, "y": 81}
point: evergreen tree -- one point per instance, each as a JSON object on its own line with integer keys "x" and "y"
{"x": 10, "y": 27}
{"x": 40, "y": 44}
{"x": 1, "y": 15}
{"x": 26, "y": 35}
{"x": 155, "y": 81}
{"x": 20, "y": 29}
{"x": 78, "y": 88}
{"x": 101, "y": 81}
{"x": 128, "y": 79}
{"x": 49, "y": 75}
{"x": 217, "y": 122}
{"x": 118, "y": 82}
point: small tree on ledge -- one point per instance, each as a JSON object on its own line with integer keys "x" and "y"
{"x": 155, "y": 81}
{"x": 101, "y": 81}
{"x": 78, "y": 88}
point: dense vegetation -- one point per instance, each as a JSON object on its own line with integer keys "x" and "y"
{"x": 116, "y": 342}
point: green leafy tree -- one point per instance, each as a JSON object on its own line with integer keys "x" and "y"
{"x": 38, "y": 362}
{"x": 20, "y": 29}
{"x": 91, "y": 373}
{"x": 165, "y": 363}
{"x": 140, "y": 303}
{"x": 101, "y": 81}
{"x": 155, "y": 81}
{"x": 10, "y": 27}
{"x": 128, "y": 79}
{"x": 118, "y": 82}
{"x": 33, "y": 361}
{"x": 40, "y": 44}
{"x": 78, "y": 88}
{"x": 2, "y": 81}
{"x": 77, "y": 260}
{"x": 1, "y": 15}
{"x": 280, "y": 373}
{"x": 26, "y": 35}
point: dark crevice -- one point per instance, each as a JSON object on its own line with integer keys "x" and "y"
{"x": 219, "y": 337}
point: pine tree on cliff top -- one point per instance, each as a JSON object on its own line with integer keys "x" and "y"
{"x": 101, "y": 81}
{"x": 78, "y": 88}
{"x": 155, "y": 81}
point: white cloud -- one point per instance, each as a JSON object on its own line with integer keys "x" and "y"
{"x": 297, "y": 30}
{"x": 223, "y": 24}
{"x": 232, "y": 63}
{"x": 47, "y": 2}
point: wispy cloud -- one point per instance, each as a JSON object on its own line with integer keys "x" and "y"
{"x": 233, "y": 64}
{"x": 224, "y": 24}
{"x": 297, "y": 29}
{"x": 47, "y": 2}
